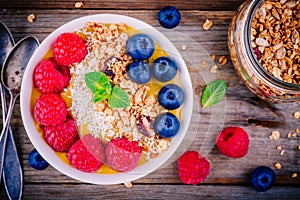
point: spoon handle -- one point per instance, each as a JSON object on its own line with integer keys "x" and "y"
{"x": 3, "y": 135}
{"x": 12, "y": 171}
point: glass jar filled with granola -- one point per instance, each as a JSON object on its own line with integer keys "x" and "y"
{"x": 264, "y": 46}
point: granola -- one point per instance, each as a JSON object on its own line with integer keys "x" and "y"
{"x": 275, "y": 35}
{"x": 207, "y": 24}
{"x": 275, "y": 135}
{"x": 213, "y": 69}
{"x": 78, "y": 4}
{"x": 277, "y": 165}
{"x": 223, "y": 60}
{"x": 275, "y": 45}
{"x": 31, "y": 18}
{"x": 297, "y": 114}
{"x": 294, "y": 175}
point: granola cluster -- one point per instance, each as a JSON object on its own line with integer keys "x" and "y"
{"x": 107, "y": 53}
{"x": 275, "y": 38}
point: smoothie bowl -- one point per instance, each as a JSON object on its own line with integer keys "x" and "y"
{"x": 106, "y": 99}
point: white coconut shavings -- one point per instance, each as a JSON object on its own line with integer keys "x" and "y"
{"x": 83, "y": 107}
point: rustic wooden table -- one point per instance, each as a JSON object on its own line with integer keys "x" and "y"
{"x": 229, "y": 178}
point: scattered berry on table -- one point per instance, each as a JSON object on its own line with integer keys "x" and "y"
{"x": 262, "y": 178}
{"x": 233, "y": 142}
{"x": 169, "y": 17}
{"x": 166, "y": 125}
{"x": 36, "y": 161}
{"x": 87, "y": 154}
{"x": 164, "y": 69}
{"x": 140, "y": 46}
{"x": 123, "y": 155}
{"x": 193, "y": 168}
{"x": 47, "y": 78}
{"x": 50, "y": 109}
{"x": 171, "y": 96}
{"x": 61, "y": 136}
{"x": 139, "y": 72}
{"x": 69, "y": 48}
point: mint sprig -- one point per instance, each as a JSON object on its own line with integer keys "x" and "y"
{"x": 213, "y": 93}
{"x": 119, "y": 98}
{"x": 102, "y": 89}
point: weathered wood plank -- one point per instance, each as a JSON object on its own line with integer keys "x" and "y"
{"x": 124, "y": 5}
{"x": 85, "y": 191}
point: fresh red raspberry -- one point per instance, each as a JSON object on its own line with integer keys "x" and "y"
{"x": 86, "y": 154}
{"x": 193, "y": 168}
{"x": 50, "y": 109}
{"x": 69, "y": 48}
{"x": 233, "y": 142}
{"x": 123, "y": 155}
{"x": 47, "y": 78}
{"x": 65, "y": 71}
{"x": 61, "y": 136}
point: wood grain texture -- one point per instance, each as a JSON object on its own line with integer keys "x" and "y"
{"x": 76, "y": 191}
{"x": 124, "y": 4}
{"x": 229, "y": 178}
{"x": 71, "y": 191}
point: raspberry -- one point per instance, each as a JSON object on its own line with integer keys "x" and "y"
{"x": 69, "y": 48}
{"x": 123, "y": 155}
{"x": 47, "y": 78}
{"x": 193, "y": 168}
{"x": 65, "y": 71}
{"x": 50, "y": 109}
{"x": 233, "y": 142}
{"x": 61, "y": 136}
{"x": 86, "y": 154}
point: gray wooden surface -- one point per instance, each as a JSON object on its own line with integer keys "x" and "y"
{"x": 229, "y": 177}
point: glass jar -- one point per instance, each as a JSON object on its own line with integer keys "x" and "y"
{"x": 258, "y": 80}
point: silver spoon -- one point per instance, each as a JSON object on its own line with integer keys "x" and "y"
{"x": 12, "y": 171}
{"x": 11, "y": 78}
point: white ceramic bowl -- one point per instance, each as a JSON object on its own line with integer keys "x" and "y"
{"x": 46, "y": 151}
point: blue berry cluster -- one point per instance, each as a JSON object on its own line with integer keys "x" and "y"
{"x": 141, "y": 47}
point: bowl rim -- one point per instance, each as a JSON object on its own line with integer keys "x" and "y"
{"x": 48, "y": 153}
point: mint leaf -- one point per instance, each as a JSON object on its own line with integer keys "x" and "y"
{"x": 100, "y": 96}
{"x": 119, "y": 98}
{"x": 97, "y": 81}
{"x": 99, "y": 84}
{"x": 213, "y": 93}
{"x": 101, "y": 87}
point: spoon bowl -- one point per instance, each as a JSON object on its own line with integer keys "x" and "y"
{"x": 13, "y": 71}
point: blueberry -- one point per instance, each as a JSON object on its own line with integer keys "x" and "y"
{"x": 166, "y": 125}
{"x": 36, "y": 161}
{"x": 169, "y": 17}
{"x": 262, "y": 178}
{"x": 140, "y": 46}
{"x": 164, "y": 69}
{"x": 139, "y": 72}
{"x": 171, "y": 96}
